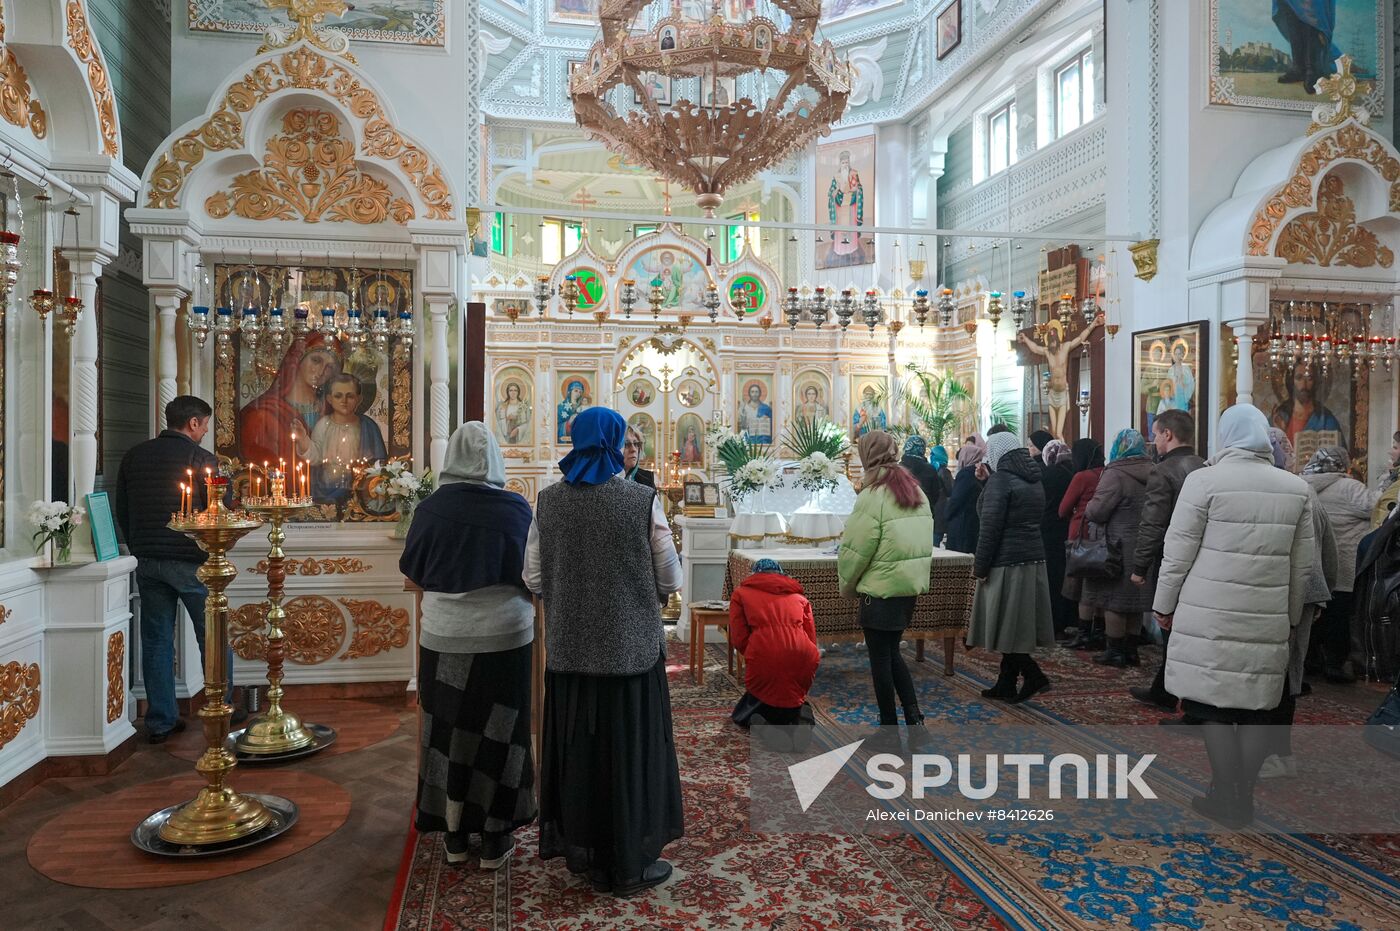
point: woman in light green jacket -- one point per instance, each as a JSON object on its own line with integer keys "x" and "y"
{"x": 886, "y": 554}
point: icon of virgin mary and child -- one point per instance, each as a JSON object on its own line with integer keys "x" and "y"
{"x": 314, "y": 397}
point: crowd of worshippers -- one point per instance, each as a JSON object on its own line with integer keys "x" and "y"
{"x": 1252, "y": 578}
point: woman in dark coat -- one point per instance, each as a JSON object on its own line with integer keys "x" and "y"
{"x": 1054, "y": 529}
{"x": 1117, "y": 506}
{"x": 962, "y": 503}
{"x": 938, "y": 458}
{"x": 466, "y": 550}
{"x": 1011, "y": 613}
{"x": 1087, "y": 459}
{"x": 915, "y": 459}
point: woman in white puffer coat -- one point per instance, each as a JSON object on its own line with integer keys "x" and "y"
{"x": 1235, "y": 563}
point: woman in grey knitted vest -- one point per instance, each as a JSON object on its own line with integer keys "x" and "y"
{"x": 601, "y": 557}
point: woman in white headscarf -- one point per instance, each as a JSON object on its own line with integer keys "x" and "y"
{"x": 1348, "y": 505}
{"x": 466, "y": 551}
{"x": 1232, "y": 585}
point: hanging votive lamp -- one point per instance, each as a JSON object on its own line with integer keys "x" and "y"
{"x": 655, "y": 297}
{"x": 710, "y": 301}
{"x": 1066, "y": 309}
{"x": 870, "y": 310}
{"x": 276, "y": 328}
{"x": 994, "y": 309}
{"x": 568, "y": 293}
{"x": 380, "y": 328}
{"x": 792, "y": 308}
{"x": 72, "y": 302}
{"x": 404, "y": 328}
{"x": 301, "y": 322}
{"x": 543, "y": 292}
{"x": 845, "y": 308}
{"x": 921, "y": 306}
{"x": 818, "y": 308}
{"x": 627, "y": 297}
{"x": 198, "y": 318}
{"x": 11, "y": 231}
{"x": 42, "y": 300}
{"x": 945, "y": 307}
{"x": 223, "y": 334}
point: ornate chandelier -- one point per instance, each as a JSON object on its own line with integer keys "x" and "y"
{"x": 667, "y": 96}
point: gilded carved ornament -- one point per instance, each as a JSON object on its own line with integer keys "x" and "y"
{"x": 1145, "y": 258}
{"x": 18, "y": 106}
{"x": 1343, "y": 88}
{"x": 19, "y": 698}
{"x": 378, "y": 628}
{"x": 314, "y": 630}
{"x": 339, "y": 565}
{"x": 81, "y": 42}
{"x": 116, "y": 679}
{"x": 299, "y": 68}
{"x": 306, "y": 15}
{"x": 309, "y": 173}
{"x": 1330, "y": 236}
{"x": 1348, "y": 142}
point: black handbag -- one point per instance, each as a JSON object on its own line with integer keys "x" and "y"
{"x": 1383, "y": 726}
{"x": 1092, "y": 555}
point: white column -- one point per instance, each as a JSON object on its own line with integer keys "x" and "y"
{"x": 438, "y": 394}
{"x": 1244, "y": 368}
{"x": 83, "y": 378}
{"x": 167, "y": 303}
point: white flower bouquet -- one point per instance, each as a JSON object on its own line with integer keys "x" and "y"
{"x": 56, "y": 521}
{"x": 818, "y": 472}
{"x": 754, "y": 475}
{"x": 399, "y": 483}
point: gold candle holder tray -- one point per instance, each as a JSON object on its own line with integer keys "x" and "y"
{"x": 322, "y": 736}
{"x": 146, "y": 835}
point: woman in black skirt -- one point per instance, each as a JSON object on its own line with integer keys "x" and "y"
{"x": 600, "y": 554}
{"x": 466, "y": 551}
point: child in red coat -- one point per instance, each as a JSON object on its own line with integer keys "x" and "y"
{"x": 770, "y": 623}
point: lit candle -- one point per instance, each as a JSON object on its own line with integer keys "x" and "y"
{"x": 182, "y": 500}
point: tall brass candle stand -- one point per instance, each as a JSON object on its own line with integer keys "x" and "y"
{"x": 277, "y": 733}
{"x": 217, "y": 815}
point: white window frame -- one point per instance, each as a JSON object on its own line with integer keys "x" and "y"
{"x": 1008, "y": 110}
{"x": 981, "y": 135}
{"x": 1083, "y": 60}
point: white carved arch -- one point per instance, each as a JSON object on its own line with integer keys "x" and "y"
{"x": 53, "y": 41}
{"x": 257, "y": 94}
{"x": 1283, "y": 184}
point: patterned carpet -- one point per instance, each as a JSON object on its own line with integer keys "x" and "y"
{"x": 728, "y": 877}
{"x": 1237, "y": 882}
{"x": 725, "y": 876}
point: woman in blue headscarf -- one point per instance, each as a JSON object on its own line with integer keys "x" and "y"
{"x": 601, "y": 557}
{"x": 1117, "y": 507}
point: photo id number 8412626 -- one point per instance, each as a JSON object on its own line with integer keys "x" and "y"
{"x": 1020, "y": 814}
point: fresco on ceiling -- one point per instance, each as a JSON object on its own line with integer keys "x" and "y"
{"x": 840, "y": 9}
{"x": 682, "y": 277}
{"x": 415, "y": 22}
{"x": 1270, "y": 53}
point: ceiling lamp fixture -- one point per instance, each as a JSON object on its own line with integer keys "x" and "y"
{"x": 711, "y": 138}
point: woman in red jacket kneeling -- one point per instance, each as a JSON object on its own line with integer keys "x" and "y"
{"x": 770, "y": 623}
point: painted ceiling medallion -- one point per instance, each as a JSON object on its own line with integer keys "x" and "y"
{"x": 681, "y": 113}
{"x": 81, "y": 41}
{"x": 299, "y": 68}
{"x": 1330, "y": 236}
{"x": 309, "y": 173}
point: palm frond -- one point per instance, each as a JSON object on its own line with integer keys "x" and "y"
{"x": 734, "y": 453}
{"x": 805, "y": 436}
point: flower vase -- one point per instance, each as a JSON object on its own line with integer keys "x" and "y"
{"x": 763, "y": 500}
{"x": 62, "y": 551}
{"x": 405, "y": 518}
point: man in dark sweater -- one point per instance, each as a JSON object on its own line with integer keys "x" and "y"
{"x": 1172, "y": 433}
{"x": 146, "y": 494}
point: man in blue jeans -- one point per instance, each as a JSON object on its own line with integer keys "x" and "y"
{"x": 147, "y": 493}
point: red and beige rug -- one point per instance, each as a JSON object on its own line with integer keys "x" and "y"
{"x": 725, "y": 875}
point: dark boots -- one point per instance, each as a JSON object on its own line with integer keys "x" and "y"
{"x": 1115, "y": 655}
{"x": 1034, "y": 681}
{"x": 1005, "y": 686}
{"x": 1090, "y": 636}
{"x": 1229, "y": 804}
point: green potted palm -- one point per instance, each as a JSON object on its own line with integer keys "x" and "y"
{"x": 938, "y": 403}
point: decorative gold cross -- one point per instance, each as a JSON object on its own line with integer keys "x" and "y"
{"x": 1343, "y": 88}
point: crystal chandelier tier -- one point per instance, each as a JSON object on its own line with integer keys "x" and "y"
{"x": 666, "y": 96}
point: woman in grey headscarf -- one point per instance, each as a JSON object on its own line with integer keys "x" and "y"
{"x": 1348, "y": 505}
{"x": 466, "y": 551}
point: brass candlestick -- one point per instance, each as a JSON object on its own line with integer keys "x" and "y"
{"x": 277, "y": 731}
{"x": 218, "y": 813}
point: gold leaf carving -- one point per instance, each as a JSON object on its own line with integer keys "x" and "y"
{"x": 5, "y": 614}
{"x": 339, "y": 565}
{"x": 300, "y": 67}
{"x": 1330, "y": 236}
{"x": 309, "y": 173}
{"x": 313, "y": 632}
{"x": 378, "y": 628}
{"x": 116, "y": 681}
{"x": 80, "y": 40}
{"x": 17, "y": 103}
{"x": 1347, "y": 142}
{"x": 19, "y": 698}
{"x": 401, "y": 385}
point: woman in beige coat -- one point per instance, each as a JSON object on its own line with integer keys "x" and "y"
{"x": 1232, "y": 585}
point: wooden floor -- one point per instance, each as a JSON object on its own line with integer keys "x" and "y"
{"x": 344, "y": 882}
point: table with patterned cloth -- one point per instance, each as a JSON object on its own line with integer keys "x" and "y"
{"x": 941, "y": 614}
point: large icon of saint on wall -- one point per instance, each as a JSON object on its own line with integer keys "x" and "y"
{"x": 755, "y": 419}
{"x": 577, "y": 395}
